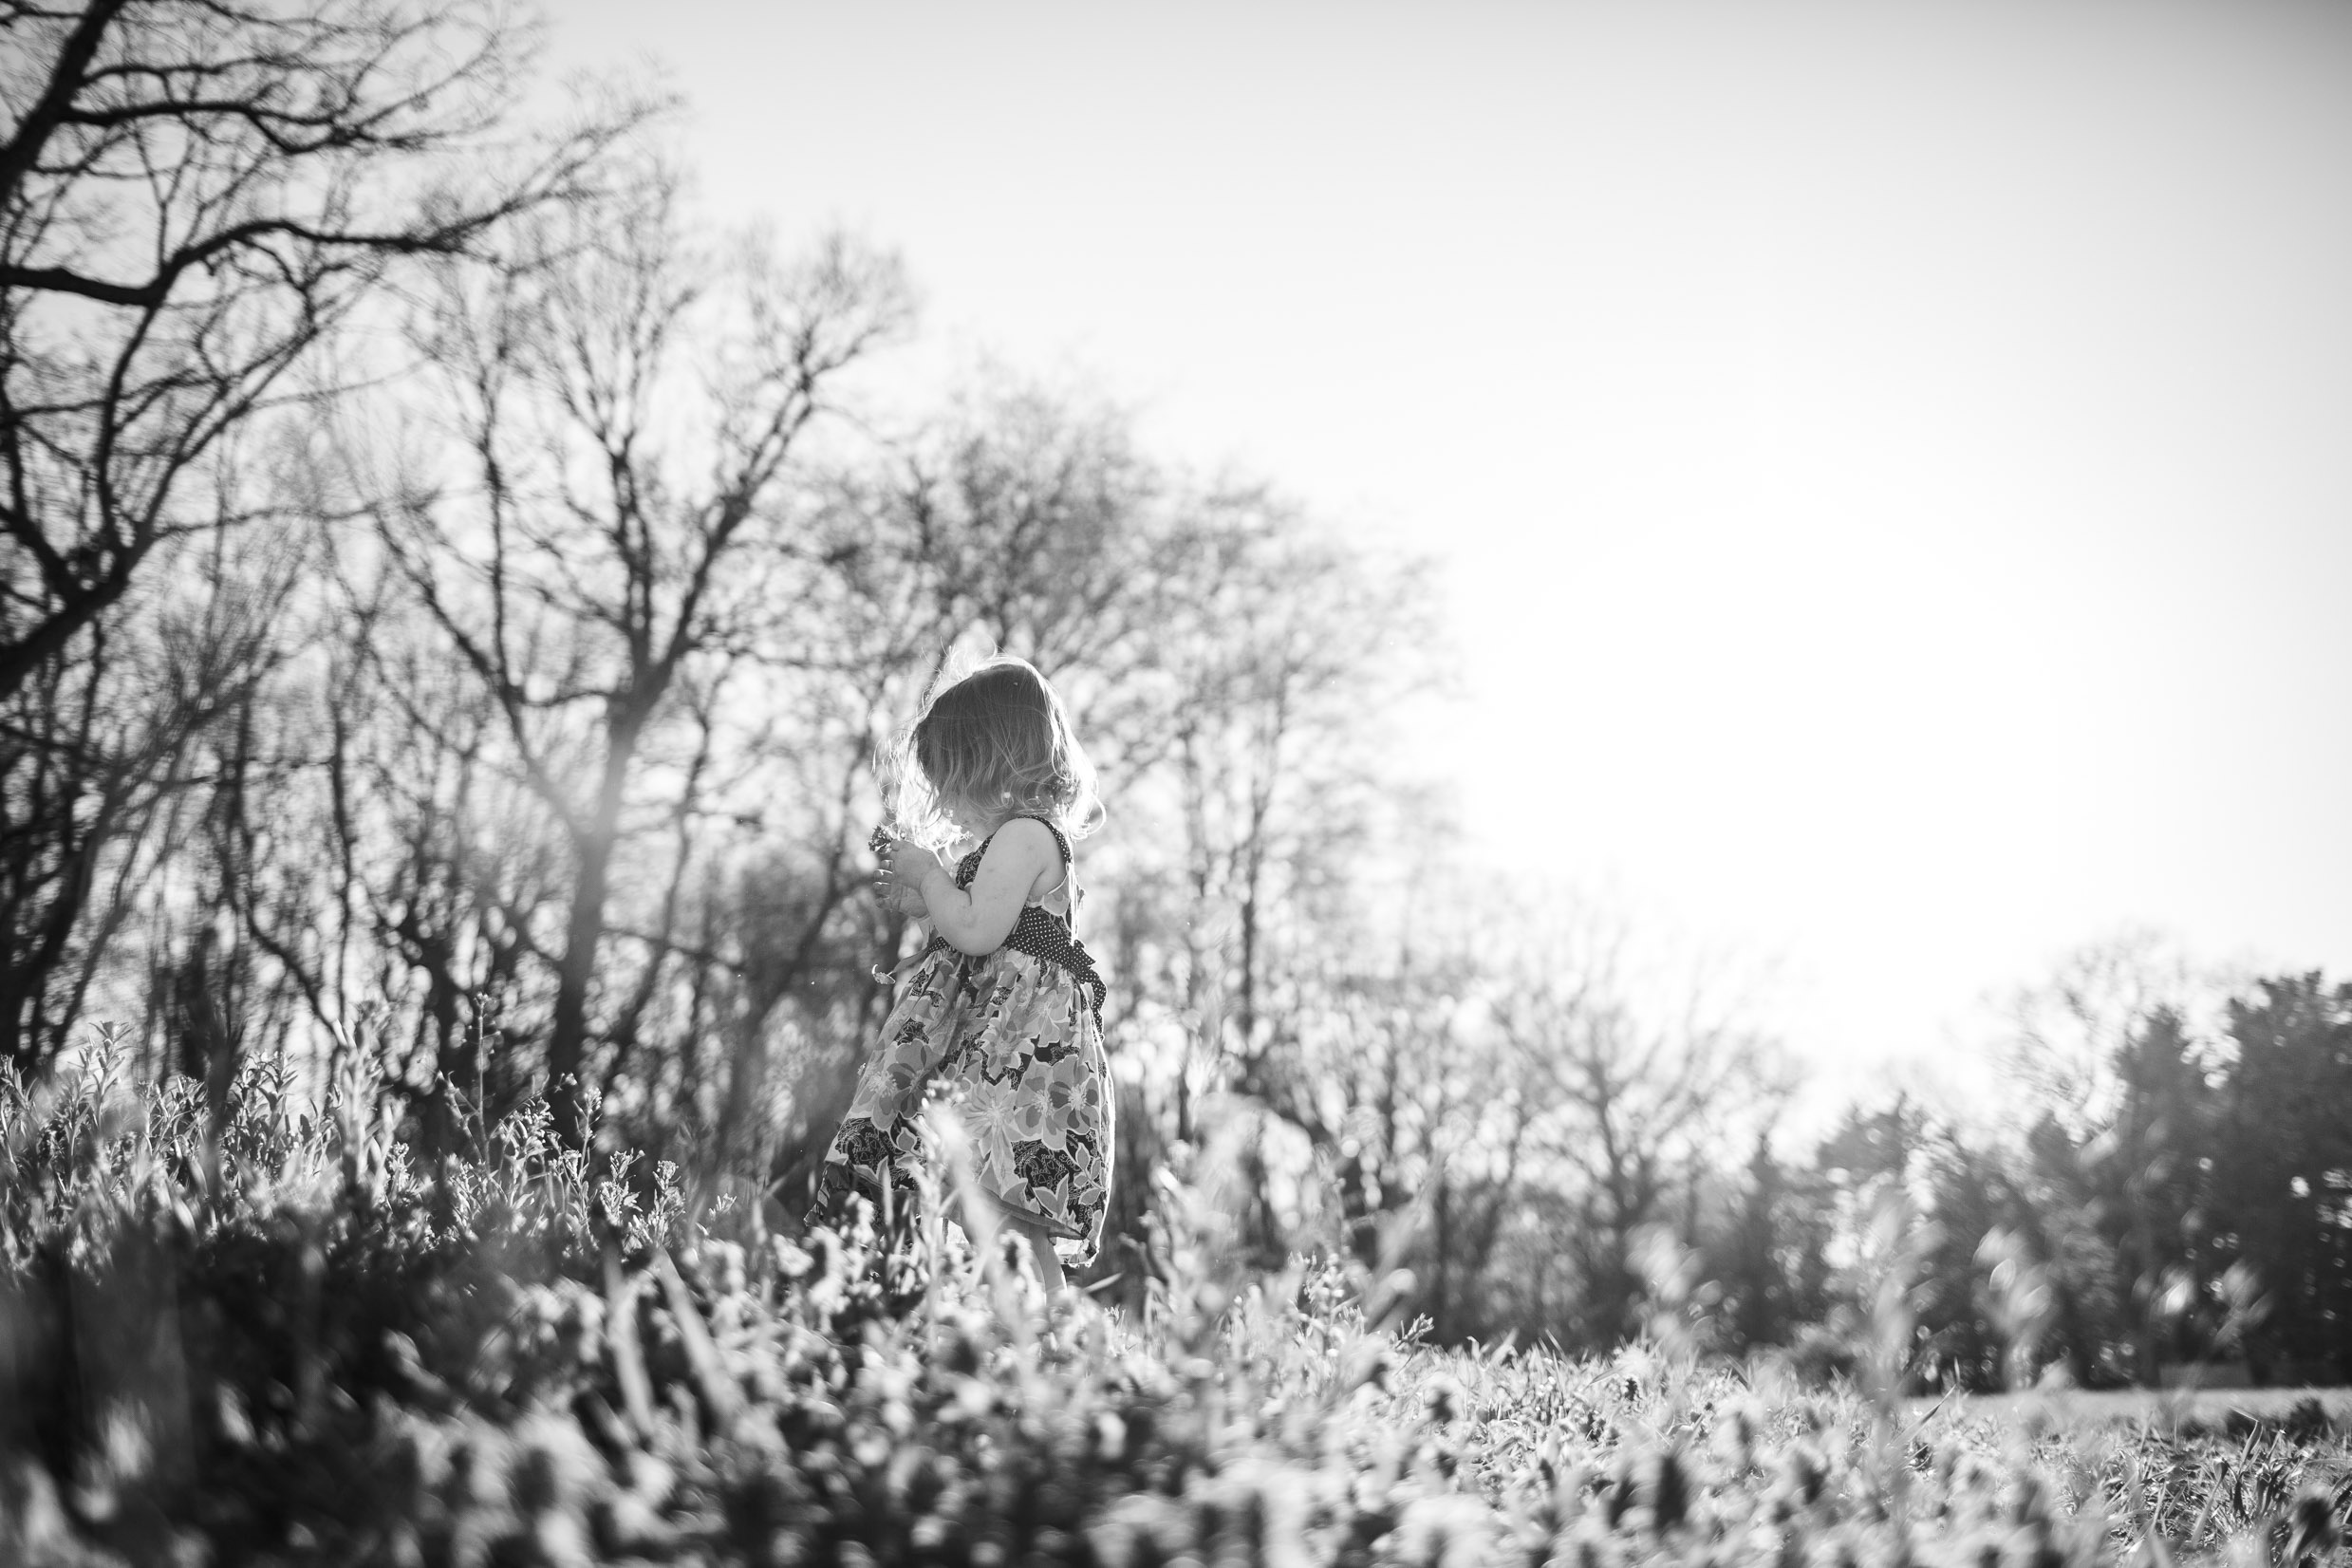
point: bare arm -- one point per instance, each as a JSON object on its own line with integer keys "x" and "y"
{"x": 978, "y": 919}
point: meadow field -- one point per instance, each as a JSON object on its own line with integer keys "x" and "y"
{"x": 255, "y": 1335}
{"x": 2195, "y": 1408}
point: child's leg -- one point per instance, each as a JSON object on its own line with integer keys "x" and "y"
{"x": 1043, "y": 1260}
{"x": 990, "y": 1224}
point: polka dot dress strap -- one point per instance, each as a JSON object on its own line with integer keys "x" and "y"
{"x": 1070, "y": 875}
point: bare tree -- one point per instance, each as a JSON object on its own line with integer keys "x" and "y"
{"x": 1304, "y": 648}
{"x": 1425, "y": 1114}
{"x": 192, "y": 196}
{"x": 389, "y": 861}
{"x": 1275, "y": 674}
{"x": 2069, "y": 1033}
{"x": 1030, "y": 522}
{"x": 195, "y": 198}
{"x": 1649, "y": 1080}
{"x": 98, "y": 787}
{"x": 587, "y": 523}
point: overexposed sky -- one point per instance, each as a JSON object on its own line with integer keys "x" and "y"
{"x": 1893, "y": 464}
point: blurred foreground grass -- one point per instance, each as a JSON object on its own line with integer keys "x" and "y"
{"x": 240, "y": 1330}
{"x": 2197, "y": 1411}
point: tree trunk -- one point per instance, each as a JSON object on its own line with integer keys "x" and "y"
{"x": 567, "y": 1046}
{"x": 583, "y": 932}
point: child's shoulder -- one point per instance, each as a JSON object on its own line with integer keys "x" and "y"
{"x": 1028, "y": 836}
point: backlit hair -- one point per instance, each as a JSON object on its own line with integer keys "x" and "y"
{"x": 999, "y": 743}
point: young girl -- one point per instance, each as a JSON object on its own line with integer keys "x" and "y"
{"x": 1000, "y": 1019}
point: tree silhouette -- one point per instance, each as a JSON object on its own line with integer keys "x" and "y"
{"x": 195, "y": 200}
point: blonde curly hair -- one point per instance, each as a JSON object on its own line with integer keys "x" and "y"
{"x": 999, "y": 743}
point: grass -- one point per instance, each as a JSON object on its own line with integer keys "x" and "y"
{"x": 255, "y": 1332}
{"x": 2206, "y": 1409}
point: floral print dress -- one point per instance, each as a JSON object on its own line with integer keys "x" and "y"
{"x": 1012, "y": 1042}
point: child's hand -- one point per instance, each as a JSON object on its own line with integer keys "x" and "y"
{"x": 899, "y": 883}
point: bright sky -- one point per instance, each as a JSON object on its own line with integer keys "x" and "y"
{"x": 1893, "y": 462}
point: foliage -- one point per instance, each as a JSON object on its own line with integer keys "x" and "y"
{"x": 237, "y": 1332}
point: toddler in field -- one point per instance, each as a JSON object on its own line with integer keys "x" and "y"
{"x": 999, "y": 1021}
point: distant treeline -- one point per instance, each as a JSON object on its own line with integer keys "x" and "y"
{"x": 2151, "y": 1202}
{"x": 2166, "y": 1199}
